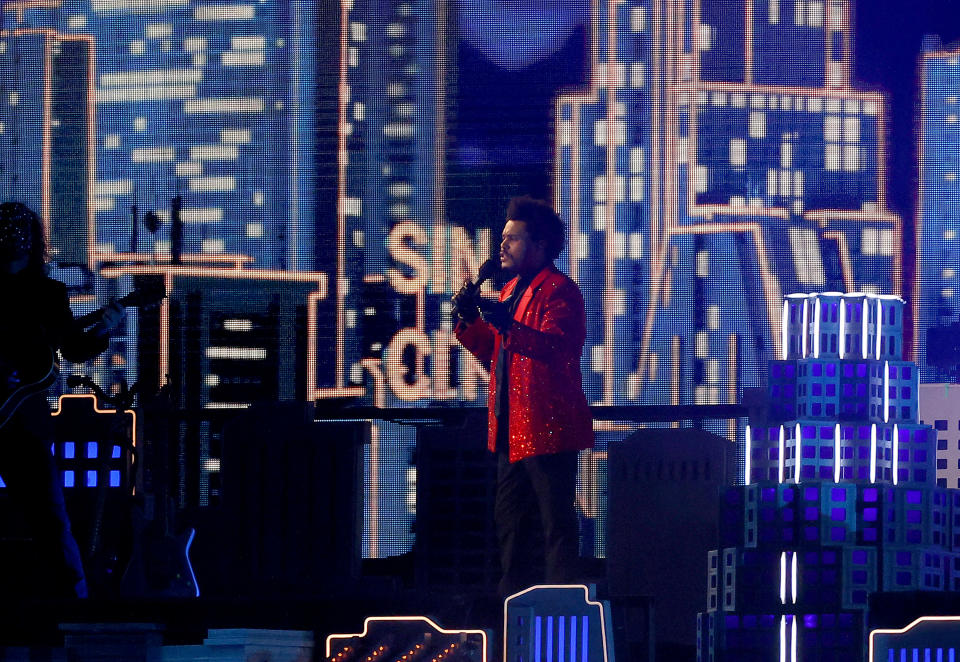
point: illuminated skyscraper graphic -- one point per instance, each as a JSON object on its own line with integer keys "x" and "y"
{"x": 211, "y": 101}
{"x": 399, "y": 258}
{"x": 842, "y": 499}
{"x": 938, "y": 211}
{"x": 719, "y": 159}
{"x": 46, "y": 139}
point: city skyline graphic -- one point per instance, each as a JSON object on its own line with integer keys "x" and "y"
{"x": 709, "y": 158}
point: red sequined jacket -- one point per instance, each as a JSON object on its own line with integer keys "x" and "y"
{"x": 548, "y": 410}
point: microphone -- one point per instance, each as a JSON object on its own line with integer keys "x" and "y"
{"x": 486, "y": 271}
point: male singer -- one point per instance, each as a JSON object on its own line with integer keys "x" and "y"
{"x": 538, "y": 416}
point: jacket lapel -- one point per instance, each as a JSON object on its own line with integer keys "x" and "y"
{"x": 528, "y": 295}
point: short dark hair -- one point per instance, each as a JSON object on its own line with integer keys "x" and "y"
{"x": 542, "y": 222}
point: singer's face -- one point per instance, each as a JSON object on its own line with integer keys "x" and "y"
{"x": 519, "y": 253}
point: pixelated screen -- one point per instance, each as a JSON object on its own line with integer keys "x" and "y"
{"x": 312, "y": 182}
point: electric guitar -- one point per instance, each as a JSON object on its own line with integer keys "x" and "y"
{"x": 21, "y": 377}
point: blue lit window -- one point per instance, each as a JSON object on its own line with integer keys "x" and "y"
{"x": 114, "y": 478}
{"x": 68, "y": 478}
{"x": 91, "y": 449}
{"x": 91, "y": 478}
{"x": 115, "y": 454}
{"x": 69, "y": 450}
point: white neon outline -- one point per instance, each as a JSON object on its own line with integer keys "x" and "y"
{"x": 783, "y": 578}
{"x": 746, "y": 456}
{"x": 836, "y": 453}
{"x": 783, "y": 445}
{"x": 386, "y": 619}
{"x": 798, "y": 442}
{"x": 784, "y": 320}
{"x": 586, "y": 598}
{"x": 794, "y": 582}
{"x": 886, "y": 391}
{"x": 783, "y": 639}
{"x": 806, "y": 323}
{"x": 873, "y": 453}
{"x": 842, "y": 331}
{"x": 866, "y": 328}
{"x": 793, "y": 640}
{"x": 896, "y": 449}
{"x": 904, "y": 630}
{"x": 879, "y": 327}
{"x": 816, "y": 328}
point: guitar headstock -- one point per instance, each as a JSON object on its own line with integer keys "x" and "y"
{"x": 145, "y": 294}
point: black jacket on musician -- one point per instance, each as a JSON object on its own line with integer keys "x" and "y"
{"x": 38, "y": 322}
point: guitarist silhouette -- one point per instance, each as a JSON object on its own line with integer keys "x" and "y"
{"x": 38, "y": 323}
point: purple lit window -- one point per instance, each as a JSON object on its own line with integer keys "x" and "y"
{"x": 809, "y": 452}
{"x": 810, "y": 621}
{"x": 787, "y": 494}
{"x": 870, "y": 514}
{"x": 920, "y": 456}
{"x": 831, "y": 389}
{"x": 811, "y": 494}
{"x": 831, "y": 370}
{"x": 767, "y": 494}
{"x": 913, "y": 516}
{"x": 815, "y": 409}
{"x": 893, "y": 372}
{"x": 790, "y": 370}
{"x": 732, "y": 621}
{"x": 774, "y": 453}
{"x": 870, "y": 494}
{"x": 847, "y": 390}
{"x": 914, "y": 496}
{"x": 775, "y": 370}
{"x": 861, "y": 390}
{"x": 817, "y": 388}
{"x": 903, "y": 455}
{"x": 817, "y": 370}
{"x": 838, "y": 514}
{"x": 861, "y": 370}
{"x": 859, "y": 556}
{"x": 826, "y": 452}
{"x": 838, "y": 494}
{"x": 807, "y": 472}
{"x": 826, "y": 432}
{"x": 809, "y": 432}
{"x": 838, "y": 533}
{"x": 847, "y": 370}
{"x": 906, "y": 372}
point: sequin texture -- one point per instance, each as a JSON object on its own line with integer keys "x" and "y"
{"x": 548, "y": 410}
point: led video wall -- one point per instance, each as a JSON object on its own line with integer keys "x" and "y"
{"x": 313, "y": 181}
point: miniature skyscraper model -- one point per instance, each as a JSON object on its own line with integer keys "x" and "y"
{"x": 841, "y": 497}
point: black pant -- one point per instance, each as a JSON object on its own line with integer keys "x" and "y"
{"x": 534, "y": 495}
{"x": 33, "y": 486}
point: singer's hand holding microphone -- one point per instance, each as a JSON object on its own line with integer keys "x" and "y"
{"x": 467, "y": 302}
